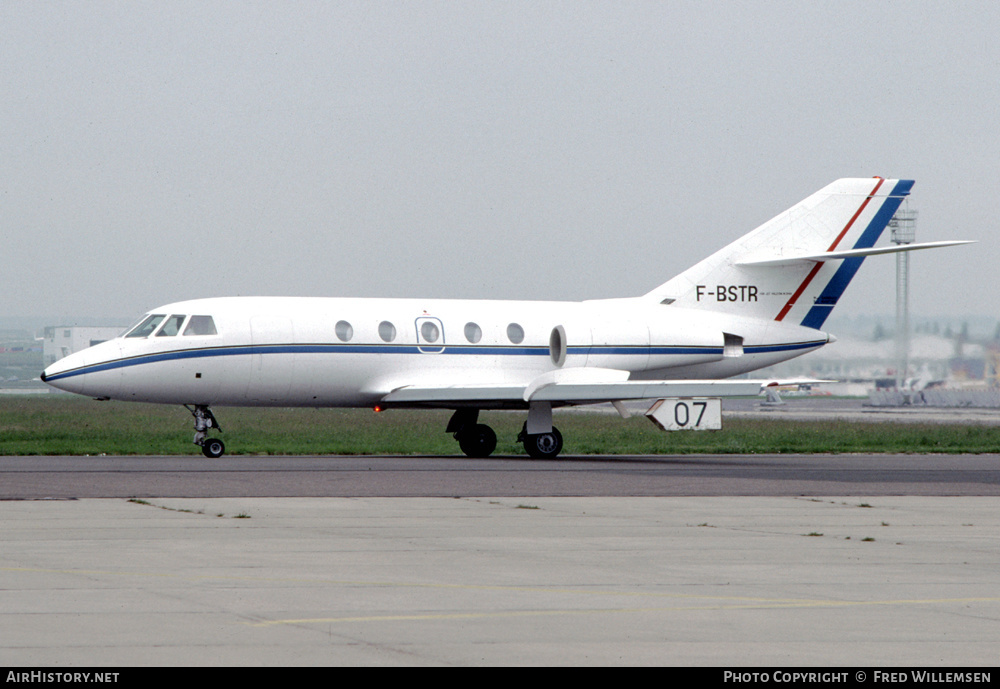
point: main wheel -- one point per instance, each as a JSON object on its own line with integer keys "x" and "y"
{"x": 213, "y": 447}
{"x": 544, "y": 445}
{"x": 479, "y": 441}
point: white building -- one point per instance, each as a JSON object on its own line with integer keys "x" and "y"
{"x": 60, "y": 341}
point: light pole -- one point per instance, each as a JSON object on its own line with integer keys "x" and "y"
{"x": 903, "y": 226}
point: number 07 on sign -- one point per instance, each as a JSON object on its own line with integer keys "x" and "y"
{"x": 674, "y": 414}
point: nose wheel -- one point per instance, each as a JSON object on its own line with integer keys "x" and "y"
{"x": 213, "y": 447}
{"x": 203, "y": 421}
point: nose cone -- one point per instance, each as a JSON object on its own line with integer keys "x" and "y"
{"x": 69, "y": 374}
{"x": 93, "y": 371}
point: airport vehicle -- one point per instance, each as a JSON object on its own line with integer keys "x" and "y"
{"x": 761, "y": 300}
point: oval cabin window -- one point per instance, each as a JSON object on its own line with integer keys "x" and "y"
{"x": 515, "y": 333}
{"x": 473, "y": 333}
{"x": 387, "y": 331}
{"x": 344, "y": 331}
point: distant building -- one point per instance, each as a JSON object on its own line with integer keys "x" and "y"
{"x": 867, "y": 365}
{"x": 60, "y": 341}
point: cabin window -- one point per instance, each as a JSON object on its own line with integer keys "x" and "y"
{"x": 344, "y": 331}
{"x": 473, "y": 333}
{"x": 430, "y": 332}
{"x": 387, "y": 331}
{"x": 515, "y": 333}
{"x": 171, "y": 327}
{"x": 147, "y": 326}
{"x": 201, "y": 325}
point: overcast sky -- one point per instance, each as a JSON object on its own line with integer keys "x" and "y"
{"x": 157, "y": 151}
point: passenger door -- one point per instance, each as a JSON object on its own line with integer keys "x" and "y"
{"x": 272, "y": 366}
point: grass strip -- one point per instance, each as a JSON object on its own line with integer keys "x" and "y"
{"x": 64, "y": 425}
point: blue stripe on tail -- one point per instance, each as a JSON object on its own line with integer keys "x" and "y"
{"x": 842, "y": 278}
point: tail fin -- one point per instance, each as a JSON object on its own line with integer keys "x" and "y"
{"x": 775, "y": 272}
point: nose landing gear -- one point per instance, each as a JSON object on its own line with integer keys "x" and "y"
{"x": 204, "y": 420}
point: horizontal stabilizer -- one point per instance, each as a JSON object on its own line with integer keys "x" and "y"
{"x": 849, "y": 253}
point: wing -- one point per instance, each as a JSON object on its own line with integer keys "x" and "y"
{"x": 454, "y": 396}
{"x": 577, "y": 386}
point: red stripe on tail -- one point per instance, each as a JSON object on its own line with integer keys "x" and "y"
{"x": 812, "y": 273}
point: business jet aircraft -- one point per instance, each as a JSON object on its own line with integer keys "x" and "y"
{"x": 759, "y": 301}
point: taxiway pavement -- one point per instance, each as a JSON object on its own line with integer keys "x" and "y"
{"x": 880, "y": 581}
{"x": 875, "y": 561}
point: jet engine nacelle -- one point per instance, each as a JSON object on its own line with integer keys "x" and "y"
{"x": 634, "y": 345}
{"x": 673, "y": 345}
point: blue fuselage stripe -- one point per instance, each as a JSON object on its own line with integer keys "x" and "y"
{"x": 250, "y": 350}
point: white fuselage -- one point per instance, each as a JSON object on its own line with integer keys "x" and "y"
{"x": 331, "y": 352}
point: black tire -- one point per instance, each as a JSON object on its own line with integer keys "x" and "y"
{"x": 213, "y": 448}
{"x": 544, "y": 445}
{"x": 478, "y": 442}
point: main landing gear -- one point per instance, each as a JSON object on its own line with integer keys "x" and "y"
{"x": 478, "y": 440}
{"x": 541, "y": 445}
{"x": 204, "y": 420}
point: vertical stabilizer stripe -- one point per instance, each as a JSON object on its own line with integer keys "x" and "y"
{"x": 845, "y": 273}
{"x": 812, "y": 273}
{"x": 855, "y": 216}
{"x": 799, "y": 291}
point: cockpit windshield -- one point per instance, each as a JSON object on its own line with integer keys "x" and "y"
{"x": 147, "y": 326}
{"x": 171, "y": 327}
{"x": 201, "y": 325}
